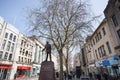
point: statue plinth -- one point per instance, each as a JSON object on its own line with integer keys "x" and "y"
{"x": 47, "y": 71}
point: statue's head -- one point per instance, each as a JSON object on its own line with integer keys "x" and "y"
{"x": 47, "y": 42}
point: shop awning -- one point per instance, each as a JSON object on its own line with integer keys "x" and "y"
{"x": 24, "y": 67}
{"x": 6, "y": 66}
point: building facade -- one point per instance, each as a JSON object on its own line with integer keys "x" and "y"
{"x": 100, "y": 50}
{"x": 20, "y": 54}
{"x": 8, "y": 42}
{"x": 38, "y": 56}
{"x": 112, "y": 14}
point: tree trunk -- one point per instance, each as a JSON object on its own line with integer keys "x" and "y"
{"x": 61, "y": 64}
{"x": 67, "y": 66}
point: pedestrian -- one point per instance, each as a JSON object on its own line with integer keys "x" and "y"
{"x": 65, "y": 75}
{"x": 57, "y": 74}
{"x": 98, "y": 76}
{"x": 15, "y": 76}
{"x": 0, "y": 76}
{"x": 91, "y": 76}
{"x": 105, "y": 75}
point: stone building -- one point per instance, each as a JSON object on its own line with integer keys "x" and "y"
{"x": 112, "y": 14}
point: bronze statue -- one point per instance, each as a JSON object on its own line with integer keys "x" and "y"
{"x": 48, "y": 50}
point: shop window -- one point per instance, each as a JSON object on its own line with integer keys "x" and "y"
{"x": 3, "y": 44}
{"x": 11, "y": 35}
{"x": 6, "y": 35}
{"x": 108, "y": 47}
{"x": 1, "y": 53}
{"x": 8, "y": 46}
{"x": 10, "y": 57}
{"x": 114, "y": 20}
{"x": 6, "y": 55}
{"x": 14, "y": 38}
{"x": 118, "y": 32}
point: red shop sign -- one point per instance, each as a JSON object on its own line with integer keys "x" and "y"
{"x": 6, "y": 66}
{"x": 24, "y": 67}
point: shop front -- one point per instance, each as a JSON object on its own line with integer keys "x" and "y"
{"x": 35, "y": 70}
{"x": 111, "y": 64}
{"x": 23, "y": 71}
{"x": 114, "y": 65}
{"x": 5, "y": 72}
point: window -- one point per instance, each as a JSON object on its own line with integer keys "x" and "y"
{"x": 103, "y": 30}
{"x": 22, "y": 59}
{"x": 19, "y": 59}
{"x": 11, "y": 35}
{"x": 103, "y": 50}
{"x": 10, "y": 57}
{"x": 118, "y": 32}
{"x": 14, "y": 39}
{"x": 12, "y": 47}
{"x": 8, "y": 46}
{"x": 1, "y": 53}
{"x": 6, "y": 35}
{"x": 114, "y": 20}
{"x": 108, "y": 47}
{"x": 100, "y": 35}
{"x": 26, "y": 53}
{"x": 99, "y": 51}
{"x": 96, "y": 54}
{"x": 6, "y": 55}
{"x": 93, "y": 41}
{"x": 3, "y": 44}
{"x": 21, "y": 42}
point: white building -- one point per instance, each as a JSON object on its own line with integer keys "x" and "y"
{"x": 8, "y": 41}
{"x": 38, "y": 56}
{"x": 19, "y": 54}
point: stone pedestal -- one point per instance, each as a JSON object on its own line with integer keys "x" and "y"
{"x": 47, "y": 71}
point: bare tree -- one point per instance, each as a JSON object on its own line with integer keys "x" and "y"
{"x": 62, "y": 22}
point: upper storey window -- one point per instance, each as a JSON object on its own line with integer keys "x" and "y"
{"x": 114, "y": 20}
{"x": 6, "y": 35}
{"x": 103, "y": 30}
{"x": 11, "y": 35}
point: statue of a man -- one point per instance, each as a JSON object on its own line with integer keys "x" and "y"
{"x": 48, "y": 50}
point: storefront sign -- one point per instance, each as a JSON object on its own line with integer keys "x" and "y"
{"x": 106, "y": 63}
{"x": 6, "y": 66}
{"x": 24, "y": 67}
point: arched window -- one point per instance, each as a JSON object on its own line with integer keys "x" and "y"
{"x": 14, "y": 39}
{"x": 11, "y": 35}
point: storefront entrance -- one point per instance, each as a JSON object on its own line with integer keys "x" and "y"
{"x": 23, "y": 71}
{"x": 5, "y": 72}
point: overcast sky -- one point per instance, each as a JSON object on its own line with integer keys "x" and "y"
{"x": 13, "y": 11}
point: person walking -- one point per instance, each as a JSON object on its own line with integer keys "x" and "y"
{"x": 91, "y": 76}
{"x": 105, "y": 75}
{"x": 98, "y": 76}
{"x": 15, "y": 76}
